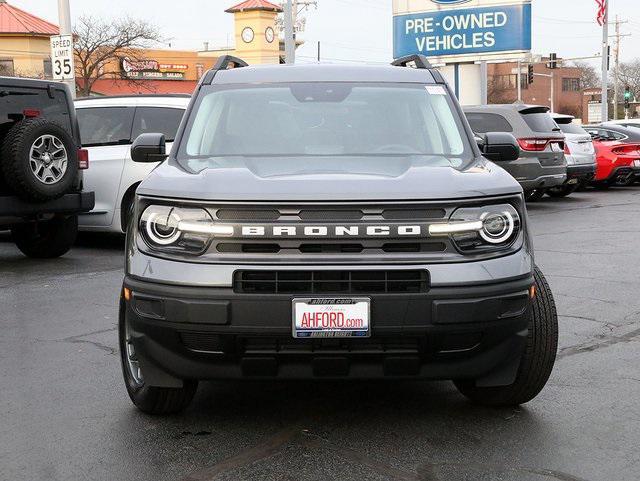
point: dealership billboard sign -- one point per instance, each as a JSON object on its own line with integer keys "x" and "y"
{"x": 462, "y": 30}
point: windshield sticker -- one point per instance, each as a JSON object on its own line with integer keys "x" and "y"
{"x": 435, "y": 89}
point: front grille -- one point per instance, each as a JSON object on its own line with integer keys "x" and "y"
{"x": 283, "y": 346}
{"x": 295, "y": 246}
{"x": 442, "y": 344}
{"x": 217, "y": 343}
{"x": 246, "y": 214}
{"x": 329, "y": 214}
{"x": 328, "y": 247}
{"x": 330, "y": 282}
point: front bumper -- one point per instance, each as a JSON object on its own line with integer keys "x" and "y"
{"x": 184, "y": 332}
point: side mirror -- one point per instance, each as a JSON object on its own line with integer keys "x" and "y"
{"x": 149, "y": 148}
{"x": 499, "y": 146}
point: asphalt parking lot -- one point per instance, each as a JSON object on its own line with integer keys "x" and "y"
{"x": 65, "y": 415}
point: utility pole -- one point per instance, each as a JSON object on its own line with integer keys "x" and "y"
{"x": 617, "y": 63}
{"x": 292, "y": 8}
{"x": 289, "y": 38}
{"x": 616, "y": 52}
{"x": 605, "y": 63}
{"x": 553, "y": 92}
{"x": 519, "y": 81}
{"x": 484, "y": 83}
{"x": 64, "y": 19}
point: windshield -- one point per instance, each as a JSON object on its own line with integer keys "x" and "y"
{"x": 323, "y": 119}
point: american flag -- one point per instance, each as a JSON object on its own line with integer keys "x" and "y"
{"x": 602, "y": 12}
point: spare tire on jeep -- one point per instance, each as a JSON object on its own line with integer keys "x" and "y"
{"x": 39, "y": 160}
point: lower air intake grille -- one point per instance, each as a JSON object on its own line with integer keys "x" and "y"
{"x": 330, "y": 282}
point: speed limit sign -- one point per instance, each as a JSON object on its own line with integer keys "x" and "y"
{"x": 62, "y": 57}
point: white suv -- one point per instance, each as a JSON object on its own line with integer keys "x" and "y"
{"x": 108, "y": 126}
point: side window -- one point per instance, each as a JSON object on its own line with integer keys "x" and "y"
{"x": 105, "y": 125}
{"x": 615, "y": 135}
{"x": 163, "y": 120}
{"x": 6, "y": 67}
{"x": 594, "y": 133}
{"x": 481, "y": 123}
{"x": 47, "y": 68}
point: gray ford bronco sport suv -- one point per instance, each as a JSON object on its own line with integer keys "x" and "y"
{"x": 331, "y": 222}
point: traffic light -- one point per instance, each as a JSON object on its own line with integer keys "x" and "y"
{"x": 530, "y": 74}
{"x": 627, "y": 97}
{"x": 553, "y": 60}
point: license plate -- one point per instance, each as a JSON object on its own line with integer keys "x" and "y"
{"x": 335, "y": 317}
{"x": 636, "y": 163}
{"x": 572, "y": 181}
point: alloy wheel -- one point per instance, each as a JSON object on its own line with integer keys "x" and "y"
{"x": 48, "y": 159}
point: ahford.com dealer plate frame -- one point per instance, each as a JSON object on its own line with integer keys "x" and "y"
{"x": 335, "y": 320}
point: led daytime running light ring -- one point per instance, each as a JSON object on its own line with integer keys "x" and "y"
{"x": 505, "y": 234}
{"x": 157, "y": 237}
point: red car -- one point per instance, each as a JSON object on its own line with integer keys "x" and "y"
{"x": 617, "y": 152}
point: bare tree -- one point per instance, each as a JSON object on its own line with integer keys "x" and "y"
{"x": 629, "y": 75}
{"x": 497, "y": 93}
{"x": 101, "y": 43}
{"x": 589, "y": 76}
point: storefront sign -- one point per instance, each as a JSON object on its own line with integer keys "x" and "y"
{"x": 152, "y": 69}
{"x": 447, "y": 28}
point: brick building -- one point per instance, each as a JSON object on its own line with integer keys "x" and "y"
{"x": 568, "y": 98}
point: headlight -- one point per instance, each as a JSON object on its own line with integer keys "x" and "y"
{"x": 481, "y": 229}
{"x": 177, "y": 229}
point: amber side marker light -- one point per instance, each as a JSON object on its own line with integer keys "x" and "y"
{"x": 532, "y": 291}
{"x": 126, "y": 292}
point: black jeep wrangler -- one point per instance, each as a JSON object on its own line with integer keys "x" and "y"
{"x": 41, "y": 164}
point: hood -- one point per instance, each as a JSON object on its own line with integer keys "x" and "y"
{"x": 328, "y": 179}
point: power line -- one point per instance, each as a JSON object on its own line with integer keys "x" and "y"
{"x": 561, "y": 20}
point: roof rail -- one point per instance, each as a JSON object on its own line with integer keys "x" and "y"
{"x": 229, "y": 61}
{"x": 420, "y": 61}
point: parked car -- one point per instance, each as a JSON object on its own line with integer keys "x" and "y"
{"x": 580, "y": 155}
{"x": 108, "y": 126}
{"x": 617, "y": 154}
{"x": 331, "y": 222}
{"x": 635, "y": 123}
{"x": 41, "y": 163}
{"x": 542, "y": 164}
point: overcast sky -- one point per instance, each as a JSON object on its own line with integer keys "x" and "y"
{"x": 356, "y": 30}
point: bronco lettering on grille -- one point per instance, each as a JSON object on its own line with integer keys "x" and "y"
{"x": 333, "y": 231}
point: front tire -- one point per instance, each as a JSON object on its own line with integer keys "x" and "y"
{"x": 537, "y": 360}
{"x": 149, "y": 399}
{"x": 46, "y": 239}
